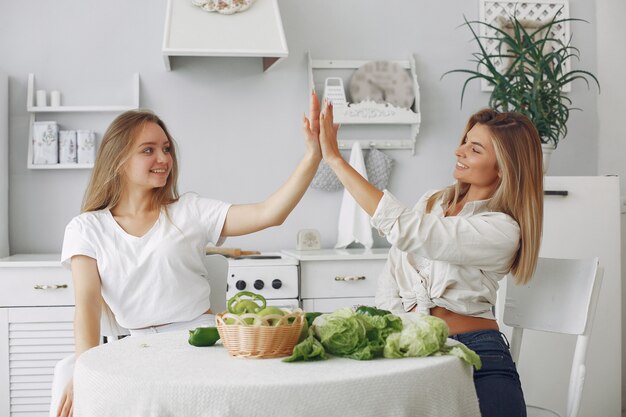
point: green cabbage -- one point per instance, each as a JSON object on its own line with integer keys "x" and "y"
{"x": 422, "y": 335}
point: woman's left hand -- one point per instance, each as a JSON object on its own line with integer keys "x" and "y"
{"x": 311, "y": 127}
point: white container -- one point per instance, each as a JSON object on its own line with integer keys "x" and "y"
{"x": 86, "y": 141}
{"x": 41, "y": 98}
{"x": 67, "y": 147}
{"x": 45, "y": 143}
{"x": 55, "y": 98}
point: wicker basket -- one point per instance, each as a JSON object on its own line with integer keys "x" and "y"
{"x": 260, "y": 340}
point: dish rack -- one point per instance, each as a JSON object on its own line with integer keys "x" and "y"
{"x": 254, "y": 336}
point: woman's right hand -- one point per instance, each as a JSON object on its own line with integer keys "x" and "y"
{"x": 66, "y": 405}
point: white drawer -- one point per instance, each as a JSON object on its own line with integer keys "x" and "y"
{"x": 340, "y": 278}
{"x": 328, "y": 305}
{"x": 18, "y": 287}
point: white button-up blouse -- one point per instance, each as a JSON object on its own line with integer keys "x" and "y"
{"x": 454, "y": 262}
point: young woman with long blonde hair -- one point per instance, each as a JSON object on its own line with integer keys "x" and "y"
{"x": 450, "y": 250}
{"x": 139, "y": 247}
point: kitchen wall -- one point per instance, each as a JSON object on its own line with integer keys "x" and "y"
{"x": 611, "y": 104}
{"x": 239, "y": 129}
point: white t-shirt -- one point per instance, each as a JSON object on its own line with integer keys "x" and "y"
{"x": 159, "y": 277}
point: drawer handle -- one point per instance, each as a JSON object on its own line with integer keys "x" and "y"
{"x": 350, "y": 278}
{"x": 50, "y": 287}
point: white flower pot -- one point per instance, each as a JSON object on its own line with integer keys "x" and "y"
{"x": 547, "y": 149}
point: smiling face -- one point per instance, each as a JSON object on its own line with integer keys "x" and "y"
{"x": 476, "y": 163}
{"x": 150, "y": 162}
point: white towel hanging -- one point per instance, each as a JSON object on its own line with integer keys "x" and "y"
{"x": 354, "y": 222}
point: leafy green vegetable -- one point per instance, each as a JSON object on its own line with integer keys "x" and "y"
{"x": 421, "y": 337}
{"x": 371, "y": 311}
{"x": 462, "y": 352}
{"x": 310, "y": 349}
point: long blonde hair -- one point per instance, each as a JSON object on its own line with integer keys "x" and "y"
{"x": 519, "y": 192}
{"x": 107, "y": 181}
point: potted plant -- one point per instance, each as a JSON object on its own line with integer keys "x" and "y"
{"x": 528, "y": 70}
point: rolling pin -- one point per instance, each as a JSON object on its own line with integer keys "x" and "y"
{"x": 233, "y": 252}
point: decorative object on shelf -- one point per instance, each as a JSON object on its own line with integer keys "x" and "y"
{"x": 45, "y": 143}
{"x": 55, "y": 98}
{"x": 382, "y": 82}
{"x": 378, "y": 166}
{"x": 334, "y": 91}
{"x": 369, "y": 112}
{"x": 42, "y": 99}
{"x": 86, "y": 141}
{"x": 223, "y": 6}
{"x": 308, "y": 239}
{"x": 67, "y": 147}
{"x": 354, "y": 222}
{"x": 534, "y": 82}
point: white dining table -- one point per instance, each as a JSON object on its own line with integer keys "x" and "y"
{"x": 162, "y": 375}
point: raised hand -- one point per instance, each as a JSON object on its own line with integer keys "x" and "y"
{"x": 311, "y": 126}
{"x": 328, "y": 134}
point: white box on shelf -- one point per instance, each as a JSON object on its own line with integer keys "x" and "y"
{"x": 45, "y": 143}
{"x": 67, "y": 147}
{"x": 86, "y": 141}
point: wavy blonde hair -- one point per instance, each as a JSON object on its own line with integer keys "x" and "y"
{"x": 107, "y": 179}
{"x": 519, "y": 192}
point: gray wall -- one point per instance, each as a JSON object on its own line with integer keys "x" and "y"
{"x": 239, "y": 129}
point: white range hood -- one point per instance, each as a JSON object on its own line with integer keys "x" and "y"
{"x": 256, "y": 32}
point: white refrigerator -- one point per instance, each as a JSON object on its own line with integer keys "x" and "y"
{"x": 4, "y": 165}
{"x": 585, "y": 223}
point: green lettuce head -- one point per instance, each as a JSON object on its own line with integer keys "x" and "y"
{"x": 422, "y": 335}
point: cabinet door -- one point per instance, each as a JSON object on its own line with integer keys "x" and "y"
{"x": 328, "y": 305}
{"x": 340, "y": 278}
{"x": 33, "y": 340}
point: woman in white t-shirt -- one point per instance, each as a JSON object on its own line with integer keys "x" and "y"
{"x": 139, "y": 247}
{"x": 450, "y": 250}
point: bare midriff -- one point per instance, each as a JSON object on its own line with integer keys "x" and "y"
{"x": 459, "y": 323}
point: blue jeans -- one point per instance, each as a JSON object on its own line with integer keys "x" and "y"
{"x": 497, "y": 383}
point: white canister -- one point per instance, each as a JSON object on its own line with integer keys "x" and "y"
{"x": 86, "y": 141}
{"x": 45, "y": 143}
{"x": 41, "y": 99}
{"x": 55, "y": 98}
{"x": 67, "y": 147}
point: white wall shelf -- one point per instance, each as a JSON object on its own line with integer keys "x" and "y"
{"x": 256, "y": 32}
{"x": 34, "y": 110}
{"x": 369, "y": 112}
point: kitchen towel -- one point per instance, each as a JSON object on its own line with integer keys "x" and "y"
{"x": 354, "y": 222}
{"x": 378, "y": 166}
{"x": 325, "y": 179}
{"x": 45, "y": 143}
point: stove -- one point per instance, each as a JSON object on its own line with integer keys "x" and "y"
{"x": 272, "y": 275}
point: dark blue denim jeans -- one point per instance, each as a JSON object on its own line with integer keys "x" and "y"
{"x": 497, "y": 383}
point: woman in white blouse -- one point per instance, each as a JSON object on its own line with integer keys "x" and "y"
{"x": 450, "y": 250}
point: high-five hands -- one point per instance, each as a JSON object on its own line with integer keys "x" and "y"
{"x": 328, "y": 135}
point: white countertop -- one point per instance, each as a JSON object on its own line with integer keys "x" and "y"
{"x": 337, "y": 254}
{"x": 31, "y": 260}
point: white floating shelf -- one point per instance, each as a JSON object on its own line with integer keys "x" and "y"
{"x": 372, "y": 113}
{"x": 34, "y": 110}
{"x": 256, "y": 32}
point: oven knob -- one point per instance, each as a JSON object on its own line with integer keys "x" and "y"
{"x": 276, "y": 284}
{"x": 241, "y": 285}
{"x": 258, "y": 284}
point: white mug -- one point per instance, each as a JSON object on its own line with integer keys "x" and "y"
{"x": 55, "y": 98}
{"x": 41, "y": 98}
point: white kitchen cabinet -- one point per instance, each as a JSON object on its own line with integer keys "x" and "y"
{"x": 34, "y": 110}
{"x": 335, "y": 278}
{"x": 36, "y": 331}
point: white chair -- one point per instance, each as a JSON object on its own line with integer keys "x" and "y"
{"x": 217, "y": 274}
{"x": 561, "y": 298}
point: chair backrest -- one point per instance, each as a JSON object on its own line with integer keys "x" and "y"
{"x": 561, "y": 298}
{"x": 217, "y": 274}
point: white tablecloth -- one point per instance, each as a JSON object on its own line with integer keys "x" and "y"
{"x": 162, "y": 375}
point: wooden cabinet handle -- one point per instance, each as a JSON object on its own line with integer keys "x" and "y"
{"x": 50, "y": 287}
{"x": 350, "y": 278}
